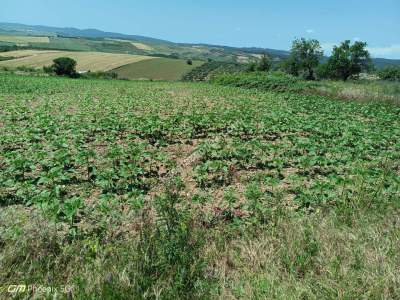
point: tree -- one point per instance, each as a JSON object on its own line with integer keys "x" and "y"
{"x": 264, "y": 64}
{"x": 290, "y": 66}
{"x": 349, "y": 60}
{"x": 189, "y": 62}
{"x": 64, "y": 66}
{"x": 306, "y": 54}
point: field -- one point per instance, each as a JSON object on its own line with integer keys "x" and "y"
{"x": 23, "y": 40}
{"x": 142, "y": 46}
{"x": 159, "y": 190}
{"x": 138, "y": 45}
{"x": 94, "y": 61}
{"x": 157, "y": 69}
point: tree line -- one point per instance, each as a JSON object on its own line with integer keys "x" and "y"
{"x": 306, "y": 59}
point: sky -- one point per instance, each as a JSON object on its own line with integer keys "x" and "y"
{"x": 251, "y": 23}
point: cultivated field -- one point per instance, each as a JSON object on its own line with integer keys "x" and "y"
{"x": 157, "y": 69}
{"x": 181, "y": 190}
{"x": 94, "y": 61}
{"x": 23, "y": 40}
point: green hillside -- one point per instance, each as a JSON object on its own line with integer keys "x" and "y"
{"x": 97, "y": 40}
{"x": 157, "y": 69}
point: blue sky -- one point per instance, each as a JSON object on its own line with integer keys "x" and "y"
{"x": 261, "y": 23}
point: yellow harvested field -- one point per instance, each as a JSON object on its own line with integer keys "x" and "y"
{"x": 22, "y": 40}
{"x": 142, "y": 46}
{"x": 94, "y": 61}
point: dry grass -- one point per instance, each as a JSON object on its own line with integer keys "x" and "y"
{"x": 299, "y": 257}
{"x": 364, "y": 91}
{"x": 94, "y": 61}
{"x": 315, "y": 258}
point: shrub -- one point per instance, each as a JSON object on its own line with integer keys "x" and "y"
{"x": 48, "y": 69}
{"x": 189, "y": 62}
{"x": 265, "y": 63}
{"x": 211, "y": 69}
{"x": 278, "y": 82}
{"x": 290, "y": 66}
{"x": 172, "y": 251}
{"x": 323, "y": 71}
{"x": 391, "y": 73}
{"x": 251, "y": 67}
{"x": 65, "y": 66}
{"x": 100, "y": 75}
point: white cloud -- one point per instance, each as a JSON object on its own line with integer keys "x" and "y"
{"x": 310, "y": 31}
{"x": 392, "y": 51}
{"x": 356, "y": 39}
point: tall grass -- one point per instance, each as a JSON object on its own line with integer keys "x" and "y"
{"x": 362, "y": 90}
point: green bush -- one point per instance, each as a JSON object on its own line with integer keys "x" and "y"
{"x": 100, "y": 75}
{"x": 278, "y": 82}
{"x": 264, "y": 64}
{"x": 48, "y": 70}
{"x": 65, "y": 66}
{"x": 323, "y": 71}
{"x": 170, "y": 252}
{"x": 391, "y": 73}
{"x": 213, "y": 68}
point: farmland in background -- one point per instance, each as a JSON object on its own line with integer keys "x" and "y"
{"x": 23, "y": 40}
{"x": 94, "y": 61}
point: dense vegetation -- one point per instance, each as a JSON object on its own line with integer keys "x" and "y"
{"x": 278, "y": 82}
{"x": 360, "y": 90}
{"x": 181, "y": 190}
{"x": 390, "y": 73}
{"x": 212, "y": 68}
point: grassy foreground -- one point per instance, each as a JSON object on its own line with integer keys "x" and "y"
{"x": 129, "y": 190}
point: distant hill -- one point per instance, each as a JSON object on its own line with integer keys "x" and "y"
{"x": 73, "y": 32}
{"x": 383, "y": 62}
{"x": 73, "y": 39}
